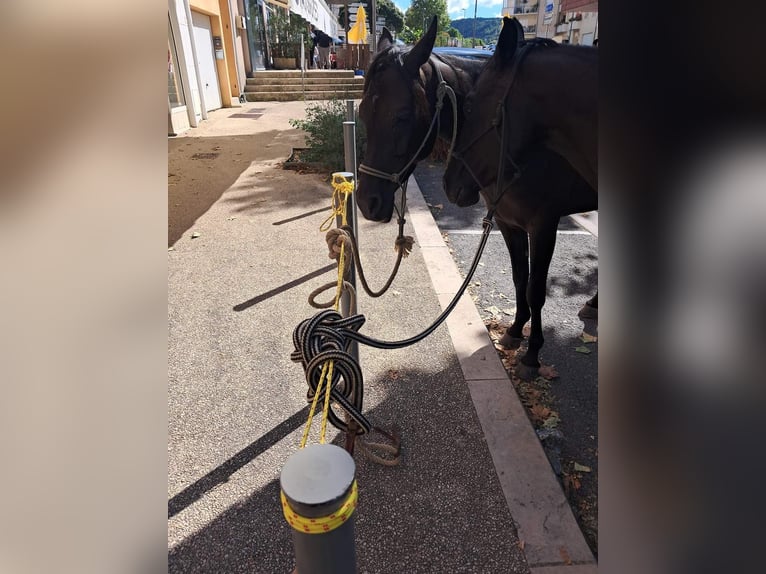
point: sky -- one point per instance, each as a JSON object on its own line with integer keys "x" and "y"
{"x": 486, "y": 8}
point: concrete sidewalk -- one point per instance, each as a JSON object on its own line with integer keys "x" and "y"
{"x": 474, "y": 492}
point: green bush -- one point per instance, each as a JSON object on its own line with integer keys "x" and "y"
{"x": 324, "y": 134}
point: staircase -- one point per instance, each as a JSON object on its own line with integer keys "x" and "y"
{"x": 287, "y": 85}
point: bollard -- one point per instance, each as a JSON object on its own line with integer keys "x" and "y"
{"x": 349, "y": 148}
{"x": 350, "y": 116}
{"x": 347, "y": 305}
{"x": 318, "y": 500}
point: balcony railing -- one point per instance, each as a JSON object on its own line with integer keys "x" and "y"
{"x": 525, "y": 9}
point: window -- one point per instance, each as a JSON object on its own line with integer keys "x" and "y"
{"x": 175, "y": 89}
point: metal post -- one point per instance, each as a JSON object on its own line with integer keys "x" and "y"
{"x": 317, "y": 481}
{"x": 349, "y": 145}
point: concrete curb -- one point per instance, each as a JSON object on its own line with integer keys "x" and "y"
{"x": 552, "y": 539}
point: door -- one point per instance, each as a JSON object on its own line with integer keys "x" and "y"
{"x": 203, "y": 40}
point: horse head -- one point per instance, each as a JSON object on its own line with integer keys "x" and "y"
{"x": 396, "y": 116}
{"x": 473, "y": 164}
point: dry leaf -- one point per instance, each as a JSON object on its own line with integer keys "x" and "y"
{"x": 581, "y": 467}
{"x": 565, "y": 555}
{"x": 540, "y": 412}
{"x": 438, "y": 206}
{"x": 521, "y": 544}
{"x": 583, "y": 350}
{"x": 551, "y": 422}
{"x": 195, "y": 235}
{"x": 548, "y": 372}
{"x": 587, "y": 338}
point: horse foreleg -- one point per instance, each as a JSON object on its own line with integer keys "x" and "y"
{"x": 542, "y": 243}
{"x": 517, "y": 241}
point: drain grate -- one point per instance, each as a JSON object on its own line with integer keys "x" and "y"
{"x": 205, "y": 155}
{"x": 248, "y": 116}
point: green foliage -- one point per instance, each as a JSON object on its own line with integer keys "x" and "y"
{"x": 487, "y": 29}
{"x": 419, "y": 14}
{"x": 324, "y": 134}
{"x": 284, "y": 34}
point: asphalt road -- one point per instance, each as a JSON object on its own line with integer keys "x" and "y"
{"x": 572, "y": 280}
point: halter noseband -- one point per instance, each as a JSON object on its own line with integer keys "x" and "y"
{"x": 399, "y": 178}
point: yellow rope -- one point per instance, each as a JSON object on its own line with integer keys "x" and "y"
{"x": 321, "y": 524}
{"x": 342, "y": 188}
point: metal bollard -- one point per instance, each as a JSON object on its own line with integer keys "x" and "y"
{"x": 349, "y": 147}
{"x": 347, "y": 305}
{"x": 318, "y": 500}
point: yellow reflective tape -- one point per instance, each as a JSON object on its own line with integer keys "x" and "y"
{"x": 321, "y": 524}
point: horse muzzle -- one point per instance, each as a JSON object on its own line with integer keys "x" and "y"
{"x": 375, "y": 204}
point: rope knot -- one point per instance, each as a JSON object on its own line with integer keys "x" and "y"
{"x": 404, "y": 244}
{"x": 336, "y": 239}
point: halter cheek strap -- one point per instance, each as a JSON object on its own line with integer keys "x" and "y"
{"x": 499, "y": 125}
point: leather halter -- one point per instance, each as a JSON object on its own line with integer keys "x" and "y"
{"x": 400, "y": 177}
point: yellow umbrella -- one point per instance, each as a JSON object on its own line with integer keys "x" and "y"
{"x": 358, "y": 32}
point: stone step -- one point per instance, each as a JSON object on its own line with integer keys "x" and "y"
{"x": 298, "y": 96}
{"x": 297, "y": 81}
{"x": 309, "y": 88}
{"x": 297, "y": 74}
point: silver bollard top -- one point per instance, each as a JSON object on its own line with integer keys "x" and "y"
{"x": 345, "y": 174}
{"x": 317, "y": 475}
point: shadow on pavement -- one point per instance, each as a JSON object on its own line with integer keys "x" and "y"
{"x": 441, "y": 510}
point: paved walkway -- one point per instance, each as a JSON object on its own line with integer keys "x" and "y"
{"x": 474, "y": 492}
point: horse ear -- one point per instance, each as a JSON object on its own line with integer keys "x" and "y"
{"x": 510, "y": 37}
{"x": 421, "y": 51}
{"x": 386, "y": 40}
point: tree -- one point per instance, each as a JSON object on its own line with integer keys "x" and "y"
{"x": 419, "y": 14}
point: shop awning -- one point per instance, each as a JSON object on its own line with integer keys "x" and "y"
{"x": 316, "y": 12}
{"x": 280, "y": 3}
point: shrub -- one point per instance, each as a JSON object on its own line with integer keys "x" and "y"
{"x": 324, "y": 134}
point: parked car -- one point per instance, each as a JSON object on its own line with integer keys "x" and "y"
{"x": 464, "y": 52}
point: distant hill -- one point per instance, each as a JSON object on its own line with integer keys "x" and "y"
{"x": 488, "y": 29}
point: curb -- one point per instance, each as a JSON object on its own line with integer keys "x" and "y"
{"x": 553, "y": 542}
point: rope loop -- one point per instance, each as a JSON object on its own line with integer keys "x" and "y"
{"x": 321, "y": 340}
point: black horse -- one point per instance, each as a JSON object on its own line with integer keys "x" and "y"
{"x": 539, "y": 94}
{"x": 400, "y": 106}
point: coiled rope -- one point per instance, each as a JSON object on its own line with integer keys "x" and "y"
{"x": 331, "y": 370}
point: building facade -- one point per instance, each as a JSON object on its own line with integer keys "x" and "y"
{"x": 571, "y": 21}
{"x": 215, "y": 45}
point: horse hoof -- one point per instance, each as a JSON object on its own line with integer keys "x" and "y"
{"x": 508, "y": 342}
{"x": 526, "y": 372}
{"x": 588, "y": 312}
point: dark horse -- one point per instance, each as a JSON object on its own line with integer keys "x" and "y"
{"x": 549, "y": 97}
{"x": 399, "y": 103}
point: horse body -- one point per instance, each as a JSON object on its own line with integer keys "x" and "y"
{"x": 539, "y": 97}
{"x": 399, "y": 101}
